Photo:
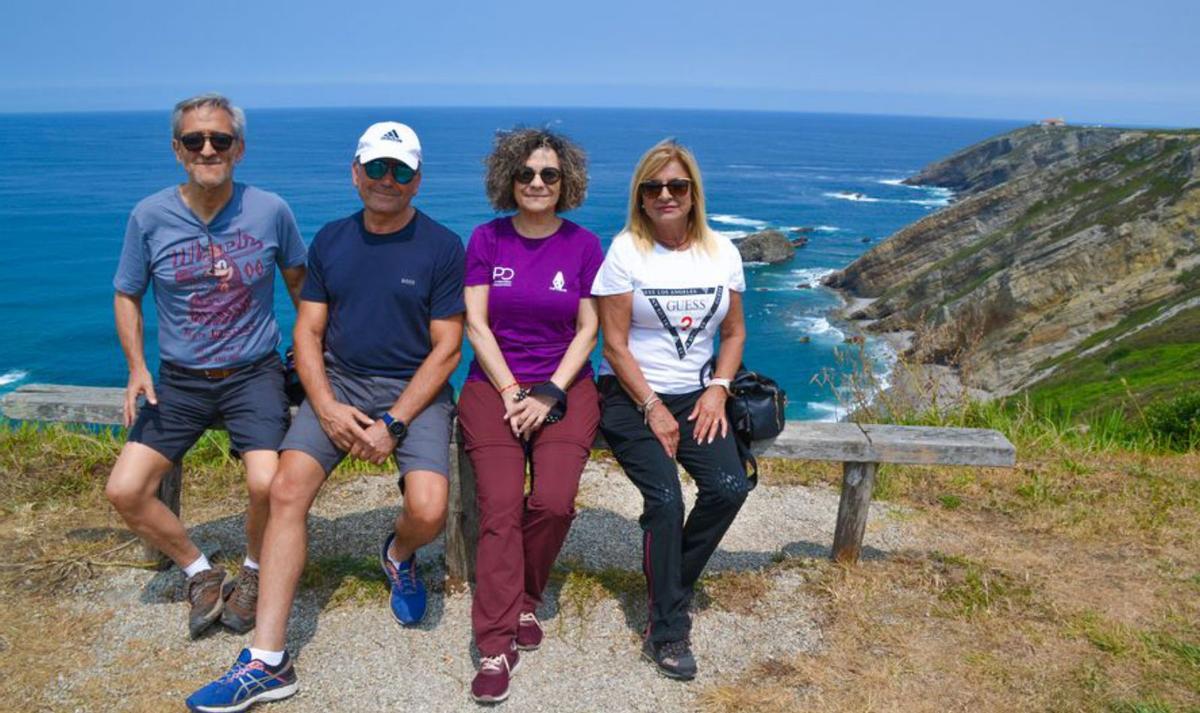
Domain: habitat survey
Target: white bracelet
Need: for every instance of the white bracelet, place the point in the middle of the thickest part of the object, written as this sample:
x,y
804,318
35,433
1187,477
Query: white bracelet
x,y
723,383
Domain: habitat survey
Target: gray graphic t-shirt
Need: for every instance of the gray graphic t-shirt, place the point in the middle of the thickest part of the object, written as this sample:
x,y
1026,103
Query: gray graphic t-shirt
x,y
214,284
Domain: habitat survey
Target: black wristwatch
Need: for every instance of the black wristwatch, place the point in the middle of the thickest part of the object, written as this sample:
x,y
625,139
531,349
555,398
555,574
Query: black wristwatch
x,y
395,426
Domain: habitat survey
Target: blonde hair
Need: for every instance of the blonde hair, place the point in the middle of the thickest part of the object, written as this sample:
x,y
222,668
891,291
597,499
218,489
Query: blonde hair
x,y
638,225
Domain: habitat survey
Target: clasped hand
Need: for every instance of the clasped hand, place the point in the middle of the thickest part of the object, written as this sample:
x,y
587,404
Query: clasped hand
x,y
526,416
356,433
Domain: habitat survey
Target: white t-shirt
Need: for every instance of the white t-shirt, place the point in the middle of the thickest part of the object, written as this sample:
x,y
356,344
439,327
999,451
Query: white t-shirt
x,y
680,298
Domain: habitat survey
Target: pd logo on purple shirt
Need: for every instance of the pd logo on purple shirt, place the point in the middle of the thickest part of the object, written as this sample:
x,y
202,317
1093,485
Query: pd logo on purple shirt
x,y
502,276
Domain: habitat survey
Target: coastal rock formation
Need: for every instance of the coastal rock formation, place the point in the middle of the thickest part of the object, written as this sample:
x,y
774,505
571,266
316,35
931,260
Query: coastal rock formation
x,y
1064,240
769,246
1018,153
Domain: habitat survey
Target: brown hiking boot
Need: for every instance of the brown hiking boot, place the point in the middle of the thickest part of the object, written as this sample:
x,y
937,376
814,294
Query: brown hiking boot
x,y
241,601
203,592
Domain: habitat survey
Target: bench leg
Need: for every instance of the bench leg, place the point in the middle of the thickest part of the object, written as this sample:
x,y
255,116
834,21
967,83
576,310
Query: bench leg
x,y
462,520
858,480
168,492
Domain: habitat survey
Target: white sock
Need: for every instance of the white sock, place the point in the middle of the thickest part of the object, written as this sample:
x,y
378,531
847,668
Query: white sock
x,y
197,566
249,563
270,658
395,562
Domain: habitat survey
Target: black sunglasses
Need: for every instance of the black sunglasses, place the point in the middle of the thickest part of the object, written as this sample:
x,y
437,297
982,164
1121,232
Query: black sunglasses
x,y
401,172
194,141
549,175
677,187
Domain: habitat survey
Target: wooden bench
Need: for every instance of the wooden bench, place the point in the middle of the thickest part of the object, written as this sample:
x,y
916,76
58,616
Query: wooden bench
x,y
859,447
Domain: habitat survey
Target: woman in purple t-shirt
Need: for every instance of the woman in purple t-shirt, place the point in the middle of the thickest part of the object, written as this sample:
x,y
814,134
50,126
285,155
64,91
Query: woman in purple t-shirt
x,y
529,396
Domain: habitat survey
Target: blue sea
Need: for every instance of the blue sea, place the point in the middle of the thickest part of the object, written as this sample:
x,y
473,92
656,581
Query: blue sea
x,y
68,181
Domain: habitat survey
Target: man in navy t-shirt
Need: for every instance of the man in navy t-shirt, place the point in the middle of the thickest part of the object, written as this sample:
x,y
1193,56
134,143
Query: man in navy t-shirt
x,y
379,331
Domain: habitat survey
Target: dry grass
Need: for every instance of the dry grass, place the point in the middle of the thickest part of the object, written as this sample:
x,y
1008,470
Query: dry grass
x,y
1072,584
32,661
1069,584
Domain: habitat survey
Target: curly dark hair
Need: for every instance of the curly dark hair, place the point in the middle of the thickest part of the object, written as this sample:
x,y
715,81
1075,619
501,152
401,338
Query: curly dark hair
x,y
512,149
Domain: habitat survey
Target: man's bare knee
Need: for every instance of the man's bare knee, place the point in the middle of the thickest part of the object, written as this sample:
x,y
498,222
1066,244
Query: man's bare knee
x,y
425,497
295,484
135,477
261,467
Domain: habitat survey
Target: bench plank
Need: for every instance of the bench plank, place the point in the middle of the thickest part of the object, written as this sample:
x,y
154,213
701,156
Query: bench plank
x,y
800,440
73,404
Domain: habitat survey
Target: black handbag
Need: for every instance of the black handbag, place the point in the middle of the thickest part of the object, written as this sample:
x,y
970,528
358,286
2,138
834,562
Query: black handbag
x,y
756,405
756,409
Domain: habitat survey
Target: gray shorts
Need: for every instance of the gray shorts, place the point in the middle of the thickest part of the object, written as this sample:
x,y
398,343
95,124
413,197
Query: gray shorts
x,y
427,446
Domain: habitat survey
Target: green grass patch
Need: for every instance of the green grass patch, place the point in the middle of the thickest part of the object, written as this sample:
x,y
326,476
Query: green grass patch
x,y
1158,361
581,589
950,501
354,580
972,588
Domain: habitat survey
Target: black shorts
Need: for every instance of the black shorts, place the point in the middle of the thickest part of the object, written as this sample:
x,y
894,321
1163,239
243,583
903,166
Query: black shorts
x,y
250,403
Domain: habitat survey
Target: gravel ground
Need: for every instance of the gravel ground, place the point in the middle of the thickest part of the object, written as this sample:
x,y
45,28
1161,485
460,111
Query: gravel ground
x,y
354,657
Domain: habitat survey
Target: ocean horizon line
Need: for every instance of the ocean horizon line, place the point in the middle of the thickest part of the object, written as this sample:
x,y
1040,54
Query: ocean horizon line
x,y
251,106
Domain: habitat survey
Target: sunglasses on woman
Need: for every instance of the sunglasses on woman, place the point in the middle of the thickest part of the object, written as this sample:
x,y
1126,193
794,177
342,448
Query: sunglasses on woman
x,y
402,173
549,175
677,187
194,141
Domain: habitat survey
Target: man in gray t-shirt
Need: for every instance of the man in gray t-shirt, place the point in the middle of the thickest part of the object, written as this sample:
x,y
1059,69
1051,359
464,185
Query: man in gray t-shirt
x,y
210,248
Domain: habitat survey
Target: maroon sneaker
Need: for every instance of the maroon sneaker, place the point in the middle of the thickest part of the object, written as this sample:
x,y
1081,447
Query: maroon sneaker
x,y
529,632
241,601
491,683
203,592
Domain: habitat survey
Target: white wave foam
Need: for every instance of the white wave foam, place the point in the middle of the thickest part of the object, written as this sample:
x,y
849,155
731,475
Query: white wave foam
x,y
895,182
819,327
931,202
829,229
813,274
732,234
851,196
737,220
12,377
825,411
754,263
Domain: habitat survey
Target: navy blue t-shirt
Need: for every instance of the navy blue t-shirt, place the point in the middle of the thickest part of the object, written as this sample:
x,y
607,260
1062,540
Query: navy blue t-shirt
x,y
382,291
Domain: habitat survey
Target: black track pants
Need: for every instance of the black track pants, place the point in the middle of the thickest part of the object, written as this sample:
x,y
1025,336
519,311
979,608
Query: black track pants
x,y
674,551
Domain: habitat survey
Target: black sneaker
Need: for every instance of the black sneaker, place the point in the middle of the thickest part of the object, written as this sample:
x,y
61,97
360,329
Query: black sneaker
x,y
673,658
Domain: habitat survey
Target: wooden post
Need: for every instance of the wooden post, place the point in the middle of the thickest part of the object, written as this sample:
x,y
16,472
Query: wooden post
x,y
168,492
858,480
462,519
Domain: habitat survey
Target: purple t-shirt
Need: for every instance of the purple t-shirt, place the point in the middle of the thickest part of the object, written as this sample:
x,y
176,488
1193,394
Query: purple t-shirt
x,y
535,288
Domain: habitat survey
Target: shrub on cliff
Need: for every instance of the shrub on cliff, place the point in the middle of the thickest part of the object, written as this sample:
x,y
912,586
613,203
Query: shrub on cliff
x,y
1177,421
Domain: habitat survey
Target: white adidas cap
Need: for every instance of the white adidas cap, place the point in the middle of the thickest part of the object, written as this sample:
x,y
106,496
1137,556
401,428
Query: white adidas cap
x,y
389,139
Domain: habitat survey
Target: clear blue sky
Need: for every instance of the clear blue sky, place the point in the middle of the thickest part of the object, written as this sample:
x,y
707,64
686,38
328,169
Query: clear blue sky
x,y
1096,61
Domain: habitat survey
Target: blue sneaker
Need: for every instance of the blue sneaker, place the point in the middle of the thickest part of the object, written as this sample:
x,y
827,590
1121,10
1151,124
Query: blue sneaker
x,y
244,684
408,591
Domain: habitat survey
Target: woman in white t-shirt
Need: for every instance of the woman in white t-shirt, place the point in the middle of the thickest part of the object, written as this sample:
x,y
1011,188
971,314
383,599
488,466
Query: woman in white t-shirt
x,y
668,287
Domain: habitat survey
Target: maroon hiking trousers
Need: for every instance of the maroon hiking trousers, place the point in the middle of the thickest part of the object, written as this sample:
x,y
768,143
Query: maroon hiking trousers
x,y
519,535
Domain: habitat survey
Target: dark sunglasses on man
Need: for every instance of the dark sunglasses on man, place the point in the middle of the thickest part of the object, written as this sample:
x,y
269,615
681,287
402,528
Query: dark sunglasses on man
x,y
677,187
402,173
549,174
194,141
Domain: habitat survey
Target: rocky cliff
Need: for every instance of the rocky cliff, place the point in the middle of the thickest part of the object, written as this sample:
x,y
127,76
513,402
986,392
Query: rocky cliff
x,y
1064,240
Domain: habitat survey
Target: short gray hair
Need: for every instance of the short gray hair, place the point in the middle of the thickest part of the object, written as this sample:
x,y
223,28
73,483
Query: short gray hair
x,y
213,99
